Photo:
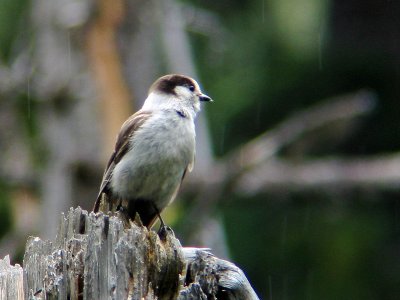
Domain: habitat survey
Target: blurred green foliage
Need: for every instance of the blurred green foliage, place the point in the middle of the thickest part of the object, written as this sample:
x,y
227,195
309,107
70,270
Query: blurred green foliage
x,y
282,56
261,77
27,109
311,246
5,209
11,12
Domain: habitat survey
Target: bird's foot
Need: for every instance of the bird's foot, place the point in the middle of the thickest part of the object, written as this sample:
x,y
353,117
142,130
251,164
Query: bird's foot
x,y
164,231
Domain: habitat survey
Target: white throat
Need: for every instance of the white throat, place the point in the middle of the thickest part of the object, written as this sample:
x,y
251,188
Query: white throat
x,y
158,101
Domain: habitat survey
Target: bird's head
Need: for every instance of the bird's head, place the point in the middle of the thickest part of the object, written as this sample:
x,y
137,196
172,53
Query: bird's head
x,y
176,91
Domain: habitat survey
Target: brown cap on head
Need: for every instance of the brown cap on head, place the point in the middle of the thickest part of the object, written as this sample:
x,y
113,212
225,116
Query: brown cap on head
x,y
167,84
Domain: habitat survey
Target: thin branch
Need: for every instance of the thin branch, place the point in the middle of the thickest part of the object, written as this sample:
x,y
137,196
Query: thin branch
x,y
382,171
269,143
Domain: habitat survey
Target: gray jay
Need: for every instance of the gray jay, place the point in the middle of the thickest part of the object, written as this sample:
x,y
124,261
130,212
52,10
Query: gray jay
x,y
155,148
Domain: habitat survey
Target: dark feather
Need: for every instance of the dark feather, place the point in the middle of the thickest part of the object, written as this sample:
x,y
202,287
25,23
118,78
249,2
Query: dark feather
x,y
168,83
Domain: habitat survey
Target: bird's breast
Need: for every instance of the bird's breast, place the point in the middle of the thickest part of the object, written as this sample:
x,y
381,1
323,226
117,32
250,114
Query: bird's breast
x,y
158,156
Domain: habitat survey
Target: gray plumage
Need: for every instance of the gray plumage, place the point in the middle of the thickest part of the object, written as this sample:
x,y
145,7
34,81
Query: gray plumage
x,y
154,150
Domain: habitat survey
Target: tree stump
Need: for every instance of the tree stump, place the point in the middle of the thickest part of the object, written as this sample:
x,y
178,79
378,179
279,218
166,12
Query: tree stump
x,y
97,256
11,280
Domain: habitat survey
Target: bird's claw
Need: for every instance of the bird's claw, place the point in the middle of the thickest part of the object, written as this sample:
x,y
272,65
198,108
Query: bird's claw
x,y
164,231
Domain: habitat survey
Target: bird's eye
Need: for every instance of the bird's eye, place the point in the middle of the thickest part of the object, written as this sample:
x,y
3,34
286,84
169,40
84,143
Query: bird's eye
x,y
191,88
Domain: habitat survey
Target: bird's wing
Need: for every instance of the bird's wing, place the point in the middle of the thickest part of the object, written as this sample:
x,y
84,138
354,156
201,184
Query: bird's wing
x,y
128,129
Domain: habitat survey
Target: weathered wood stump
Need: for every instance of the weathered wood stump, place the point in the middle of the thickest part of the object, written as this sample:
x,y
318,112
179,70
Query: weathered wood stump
x,y
208,277
96,256
11,280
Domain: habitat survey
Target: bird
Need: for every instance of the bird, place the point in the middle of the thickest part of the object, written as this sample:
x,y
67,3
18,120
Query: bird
x,y
155,149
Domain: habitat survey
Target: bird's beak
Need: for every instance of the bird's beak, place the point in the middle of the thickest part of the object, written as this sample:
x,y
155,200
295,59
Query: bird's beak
x,y
205,98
